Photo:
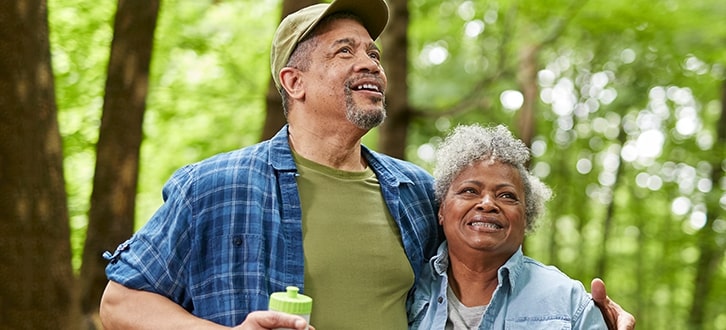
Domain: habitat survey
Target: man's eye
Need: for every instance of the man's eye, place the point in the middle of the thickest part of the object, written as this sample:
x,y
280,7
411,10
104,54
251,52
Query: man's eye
x,y
468,191
375,55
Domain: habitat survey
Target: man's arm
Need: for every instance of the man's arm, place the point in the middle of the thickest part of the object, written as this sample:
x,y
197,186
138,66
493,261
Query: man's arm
x,y
124,308
615,316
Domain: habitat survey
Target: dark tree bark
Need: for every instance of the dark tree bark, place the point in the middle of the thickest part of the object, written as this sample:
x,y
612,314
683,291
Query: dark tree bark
x,y
527,79
393,133
711,254
274,116
608,223
111,215
36,278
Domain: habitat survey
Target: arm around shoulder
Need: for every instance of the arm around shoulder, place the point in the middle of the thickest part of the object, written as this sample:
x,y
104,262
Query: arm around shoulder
x,y
615,316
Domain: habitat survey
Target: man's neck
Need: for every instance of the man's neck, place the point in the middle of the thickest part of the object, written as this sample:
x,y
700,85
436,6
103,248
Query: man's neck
x,y
329,146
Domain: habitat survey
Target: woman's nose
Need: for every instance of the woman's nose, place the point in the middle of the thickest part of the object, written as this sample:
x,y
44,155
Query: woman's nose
x,y
487,203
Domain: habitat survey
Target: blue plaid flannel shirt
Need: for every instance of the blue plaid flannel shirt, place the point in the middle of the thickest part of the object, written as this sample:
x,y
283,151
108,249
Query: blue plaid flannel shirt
x,y
229,232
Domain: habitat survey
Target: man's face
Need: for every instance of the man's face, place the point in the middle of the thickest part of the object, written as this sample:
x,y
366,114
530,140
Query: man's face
x,y
345,73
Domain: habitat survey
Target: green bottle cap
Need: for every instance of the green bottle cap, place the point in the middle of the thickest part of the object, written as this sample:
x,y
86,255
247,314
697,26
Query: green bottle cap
x,y
291,302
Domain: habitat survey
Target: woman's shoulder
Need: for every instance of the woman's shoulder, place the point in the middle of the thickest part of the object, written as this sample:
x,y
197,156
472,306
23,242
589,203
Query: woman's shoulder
x,y
548,279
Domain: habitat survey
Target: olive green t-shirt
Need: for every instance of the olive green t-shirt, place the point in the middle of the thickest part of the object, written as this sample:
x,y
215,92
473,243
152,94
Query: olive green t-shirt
x,y
356,269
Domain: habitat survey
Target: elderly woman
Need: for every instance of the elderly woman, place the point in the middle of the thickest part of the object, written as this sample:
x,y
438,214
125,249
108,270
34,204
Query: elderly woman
x,y
480,279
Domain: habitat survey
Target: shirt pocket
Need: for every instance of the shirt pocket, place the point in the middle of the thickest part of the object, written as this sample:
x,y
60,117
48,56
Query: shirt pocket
x,y
231,277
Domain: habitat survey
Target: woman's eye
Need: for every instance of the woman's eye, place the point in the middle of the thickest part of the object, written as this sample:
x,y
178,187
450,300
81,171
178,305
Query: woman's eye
x,y
509,196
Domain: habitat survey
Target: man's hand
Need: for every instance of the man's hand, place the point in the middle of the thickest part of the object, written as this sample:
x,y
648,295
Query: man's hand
x,y
265,320
124,308
615,316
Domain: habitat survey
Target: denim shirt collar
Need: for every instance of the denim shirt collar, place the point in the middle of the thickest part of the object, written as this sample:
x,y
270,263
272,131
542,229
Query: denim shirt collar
x,y
507,273
280,158
279,153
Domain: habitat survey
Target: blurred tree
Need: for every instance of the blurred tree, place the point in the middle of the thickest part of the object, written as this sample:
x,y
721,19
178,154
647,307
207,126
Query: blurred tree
x,y
711,253
36,279
112,207
393,134
621,98
618,99
274,116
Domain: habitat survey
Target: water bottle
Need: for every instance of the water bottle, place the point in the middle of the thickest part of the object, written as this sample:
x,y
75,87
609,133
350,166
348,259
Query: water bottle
x,y
291,302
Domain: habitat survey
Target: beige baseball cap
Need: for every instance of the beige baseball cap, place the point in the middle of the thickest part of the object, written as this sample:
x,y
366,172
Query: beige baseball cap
x,y
292,29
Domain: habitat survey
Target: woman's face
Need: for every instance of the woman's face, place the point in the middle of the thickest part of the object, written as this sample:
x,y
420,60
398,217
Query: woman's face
x,y
484,209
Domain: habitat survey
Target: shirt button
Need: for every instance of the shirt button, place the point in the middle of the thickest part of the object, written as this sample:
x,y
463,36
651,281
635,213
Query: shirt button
x,y
237,241
441,299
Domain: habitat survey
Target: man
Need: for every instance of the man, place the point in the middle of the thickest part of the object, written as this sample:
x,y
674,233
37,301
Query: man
x,y
311,207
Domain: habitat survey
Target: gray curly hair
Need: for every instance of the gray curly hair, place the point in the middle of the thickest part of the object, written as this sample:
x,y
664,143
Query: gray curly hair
x,y
468,144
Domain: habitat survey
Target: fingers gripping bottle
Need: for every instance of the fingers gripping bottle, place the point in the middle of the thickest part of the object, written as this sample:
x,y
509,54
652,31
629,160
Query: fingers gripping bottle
x,y
291,302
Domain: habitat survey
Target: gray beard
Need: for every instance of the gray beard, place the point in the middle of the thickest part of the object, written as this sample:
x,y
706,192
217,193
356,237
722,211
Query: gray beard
x,y
365,119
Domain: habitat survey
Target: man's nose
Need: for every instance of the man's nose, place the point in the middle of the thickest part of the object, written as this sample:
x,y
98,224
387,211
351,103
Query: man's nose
x,y
365,62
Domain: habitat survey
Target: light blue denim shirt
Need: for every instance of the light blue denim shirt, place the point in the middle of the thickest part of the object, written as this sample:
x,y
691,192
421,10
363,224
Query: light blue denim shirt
x,y
530,295
229,232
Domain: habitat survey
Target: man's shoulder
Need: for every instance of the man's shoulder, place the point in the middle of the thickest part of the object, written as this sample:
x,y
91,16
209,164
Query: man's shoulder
x,y
250,158
258,152
401,166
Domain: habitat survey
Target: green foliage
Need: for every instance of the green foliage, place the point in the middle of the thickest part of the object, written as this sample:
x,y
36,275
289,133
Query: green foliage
x,y
617,80
80,36
615,74
208,84
206,96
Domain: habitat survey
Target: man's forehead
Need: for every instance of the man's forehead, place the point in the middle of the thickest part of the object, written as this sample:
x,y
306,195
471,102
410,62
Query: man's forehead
x,y
341,23
346,31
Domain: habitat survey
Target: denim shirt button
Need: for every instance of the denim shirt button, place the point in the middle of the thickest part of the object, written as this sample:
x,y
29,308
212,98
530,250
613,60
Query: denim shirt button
x,y
237,241
441,299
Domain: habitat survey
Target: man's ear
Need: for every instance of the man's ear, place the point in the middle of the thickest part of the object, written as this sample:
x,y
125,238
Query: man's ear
x,y
291,81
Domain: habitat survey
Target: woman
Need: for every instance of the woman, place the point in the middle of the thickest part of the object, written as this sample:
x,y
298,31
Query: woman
x,y
480,279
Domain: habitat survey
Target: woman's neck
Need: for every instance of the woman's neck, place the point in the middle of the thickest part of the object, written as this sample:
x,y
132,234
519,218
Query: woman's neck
x,y
472,282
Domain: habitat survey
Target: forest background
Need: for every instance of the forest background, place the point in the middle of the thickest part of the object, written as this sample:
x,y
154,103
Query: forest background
x,y
622,101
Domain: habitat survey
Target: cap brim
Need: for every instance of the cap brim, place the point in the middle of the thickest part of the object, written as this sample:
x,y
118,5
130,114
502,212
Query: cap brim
x,y
373,13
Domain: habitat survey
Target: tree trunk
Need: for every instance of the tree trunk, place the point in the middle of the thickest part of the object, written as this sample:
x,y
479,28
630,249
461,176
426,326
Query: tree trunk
x,y
35,255
111,214
394,131
527,80
607,227
710,252
274,117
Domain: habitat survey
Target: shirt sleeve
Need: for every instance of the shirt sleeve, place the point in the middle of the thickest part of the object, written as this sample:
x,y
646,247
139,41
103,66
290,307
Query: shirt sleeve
x,y
153,259
589,316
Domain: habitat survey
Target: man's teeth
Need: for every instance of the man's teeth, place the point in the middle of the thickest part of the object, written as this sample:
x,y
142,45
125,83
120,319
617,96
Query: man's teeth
x,y
367,86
